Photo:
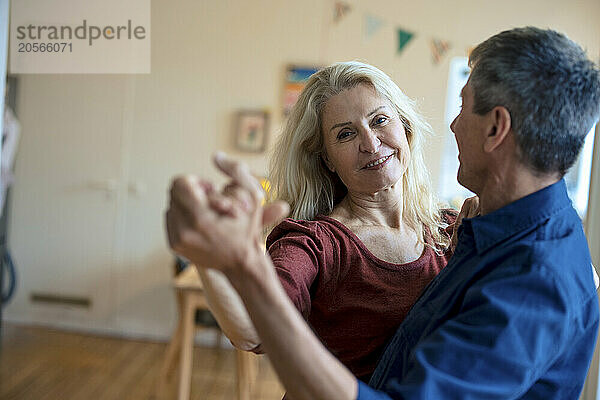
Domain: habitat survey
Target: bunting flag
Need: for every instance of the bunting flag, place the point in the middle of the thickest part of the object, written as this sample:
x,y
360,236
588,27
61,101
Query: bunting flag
x,y
438,49
372,25
403,38
340,11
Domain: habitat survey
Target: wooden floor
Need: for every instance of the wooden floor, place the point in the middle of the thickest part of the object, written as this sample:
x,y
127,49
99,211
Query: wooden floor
x,y
43,364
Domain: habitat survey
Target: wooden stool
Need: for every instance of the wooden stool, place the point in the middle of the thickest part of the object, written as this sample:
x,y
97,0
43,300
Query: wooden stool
x,y
190,297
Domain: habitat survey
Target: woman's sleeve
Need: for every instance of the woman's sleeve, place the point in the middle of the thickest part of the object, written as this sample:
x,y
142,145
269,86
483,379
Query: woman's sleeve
x,y
299,257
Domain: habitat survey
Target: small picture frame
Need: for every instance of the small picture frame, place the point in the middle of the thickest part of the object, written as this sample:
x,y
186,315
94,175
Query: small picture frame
x,y
251,130
296,78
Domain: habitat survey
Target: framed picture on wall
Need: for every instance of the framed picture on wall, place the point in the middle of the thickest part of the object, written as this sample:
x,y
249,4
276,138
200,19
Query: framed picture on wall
x,y
295,80
251,130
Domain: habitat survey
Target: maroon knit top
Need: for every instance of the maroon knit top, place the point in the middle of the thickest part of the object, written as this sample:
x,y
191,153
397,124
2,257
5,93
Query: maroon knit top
x,y
353,300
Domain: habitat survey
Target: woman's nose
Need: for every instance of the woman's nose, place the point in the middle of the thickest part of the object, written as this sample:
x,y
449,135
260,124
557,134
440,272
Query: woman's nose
x,y
369,141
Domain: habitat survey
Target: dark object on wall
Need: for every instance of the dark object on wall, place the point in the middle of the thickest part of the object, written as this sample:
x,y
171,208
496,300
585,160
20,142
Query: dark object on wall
x,y
48,298
8,277
8,268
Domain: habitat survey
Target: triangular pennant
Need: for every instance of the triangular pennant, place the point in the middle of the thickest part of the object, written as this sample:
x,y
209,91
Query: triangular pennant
x,y
372,25
438,49
403,38
340,11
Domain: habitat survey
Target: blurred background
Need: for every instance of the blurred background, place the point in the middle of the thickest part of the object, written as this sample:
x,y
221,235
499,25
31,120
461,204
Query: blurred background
x,y
95,155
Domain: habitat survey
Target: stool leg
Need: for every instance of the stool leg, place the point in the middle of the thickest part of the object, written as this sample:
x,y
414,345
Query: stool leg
x,y
171,355
173,349
246,373
187,349
172,352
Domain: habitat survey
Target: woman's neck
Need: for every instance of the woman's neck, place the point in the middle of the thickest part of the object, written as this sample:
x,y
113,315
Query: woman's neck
x,y
383,208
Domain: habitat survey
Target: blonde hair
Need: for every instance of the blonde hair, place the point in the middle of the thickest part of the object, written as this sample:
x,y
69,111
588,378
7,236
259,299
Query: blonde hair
x,y
298,174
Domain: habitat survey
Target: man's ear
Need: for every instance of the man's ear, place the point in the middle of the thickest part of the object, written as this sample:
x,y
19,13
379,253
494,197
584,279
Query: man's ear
x,y
327,162
500,126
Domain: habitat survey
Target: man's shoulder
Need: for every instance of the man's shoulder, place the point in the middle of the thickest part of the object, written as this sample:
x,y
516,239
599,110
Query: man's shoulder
x,y
556,238
555,254
559,244
556,244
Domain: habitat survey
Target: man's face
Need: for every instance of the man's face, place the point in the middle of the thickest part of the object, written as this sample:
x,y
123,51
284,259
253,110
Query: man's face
x,y
469,131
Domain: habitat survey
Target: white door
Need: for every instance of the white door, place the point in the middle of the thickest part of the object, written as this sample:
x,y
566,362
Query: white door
x,y
65,199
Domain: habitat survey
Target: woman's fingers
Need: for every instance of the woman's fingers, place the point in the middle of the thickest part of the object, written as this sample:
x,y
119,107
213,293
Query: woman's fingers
x,y
240,174
222,204
469,209
454,238
216,228
239,195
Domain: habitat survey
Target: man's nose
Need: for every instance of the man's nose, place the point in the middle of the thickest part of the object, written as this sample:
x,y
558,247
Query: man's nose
x,y
453,123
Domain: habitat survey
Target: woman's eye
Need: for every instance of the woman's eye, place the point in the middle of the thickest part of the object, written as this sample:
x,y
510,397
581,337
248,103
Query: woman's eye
x,y
380,120
344,135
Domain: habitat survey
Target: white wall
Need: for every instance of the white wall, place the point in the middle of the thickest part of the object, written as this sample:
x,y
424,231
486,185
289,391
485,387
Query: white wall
x,y
209,58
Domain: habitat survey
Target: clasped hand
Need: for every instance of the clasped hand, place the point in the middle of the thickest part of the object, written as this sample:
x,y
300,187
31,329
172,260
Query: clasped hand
x,y
220,229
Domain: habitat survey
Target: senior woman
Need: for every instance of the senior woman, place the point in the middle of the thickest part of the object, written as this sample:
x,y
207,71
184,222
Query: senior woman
x,y
365,235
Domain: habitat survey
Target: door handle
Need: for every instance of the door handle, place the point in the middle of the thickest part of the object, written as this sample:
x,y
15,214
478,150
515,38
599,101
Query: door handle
x,y
105,185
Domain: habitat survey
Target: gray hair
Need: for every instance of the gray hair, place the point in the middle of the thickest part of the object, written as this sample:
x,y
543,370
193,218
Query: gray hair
x,y
548,85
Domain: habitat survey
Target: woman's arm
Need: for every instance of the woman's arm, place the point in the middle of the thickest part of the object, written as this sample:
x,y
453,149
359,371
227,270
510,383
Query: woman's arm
x,y
290,340
306,368
229,310
225,303
231,242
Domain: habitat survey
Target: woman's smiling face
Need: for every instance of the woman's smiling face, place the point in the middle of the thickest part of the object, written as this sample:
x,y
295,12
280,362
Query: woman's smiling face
x,y
364,139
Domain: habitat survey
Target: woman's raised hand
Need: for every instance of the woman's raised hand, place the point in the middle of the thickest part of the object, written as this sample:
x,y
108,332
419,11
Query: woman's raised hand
x,y
221,230
469,209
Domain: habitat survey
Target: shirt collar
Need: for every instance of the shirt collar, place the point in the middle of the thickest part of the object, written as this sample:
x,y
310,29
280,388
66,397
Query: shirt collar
x,y
490,229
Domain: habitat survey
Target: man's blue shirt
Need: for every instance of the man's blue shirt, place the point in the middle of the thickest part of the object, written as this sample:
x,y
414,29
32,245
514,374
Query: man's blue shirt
x,y
514,315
